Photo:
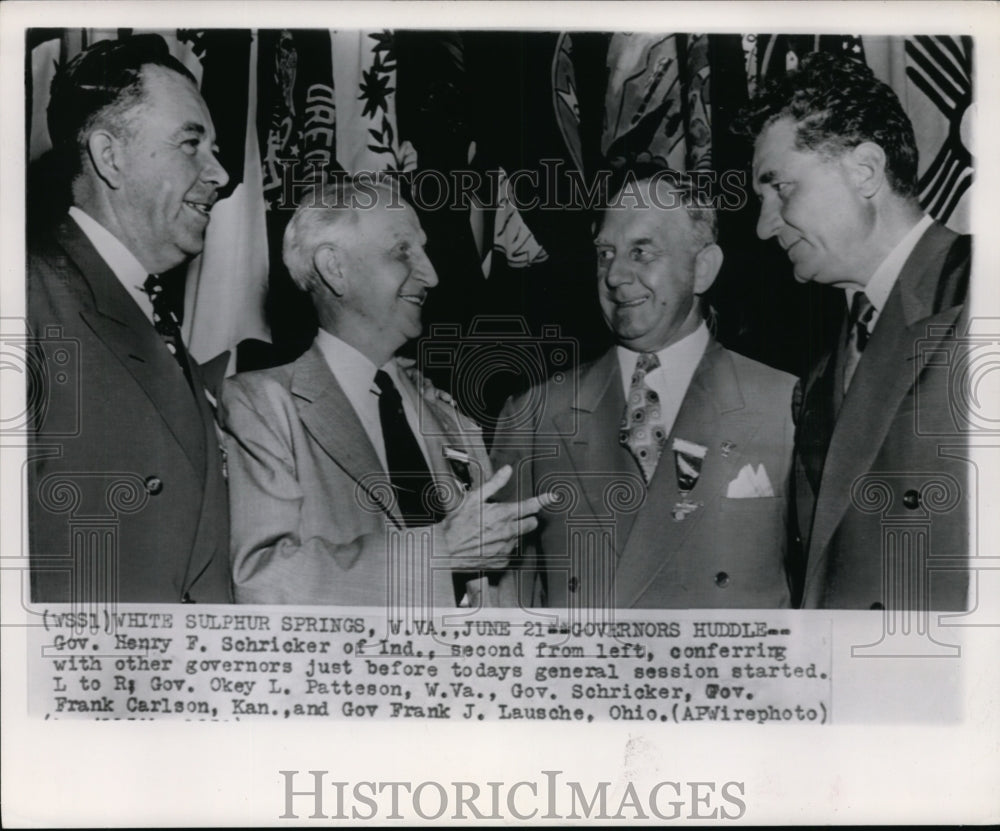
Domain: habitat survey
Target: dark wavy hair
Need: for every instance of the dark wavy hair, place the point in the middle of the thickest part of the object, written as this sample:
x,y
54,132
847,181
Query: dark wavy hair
x,y
100,85
837,103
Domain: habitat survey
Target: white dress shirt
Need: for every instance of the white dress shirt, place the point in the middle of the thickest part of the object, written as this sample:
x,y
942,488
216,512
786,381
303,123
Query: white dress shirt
x,y
120,260
881,282
670,380
356,376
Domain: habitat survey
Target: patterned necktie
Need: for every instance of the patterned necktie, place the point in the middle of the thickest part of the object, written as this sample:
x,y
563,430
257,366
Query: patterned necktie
x,y
642,429
408,472
858,319
166,325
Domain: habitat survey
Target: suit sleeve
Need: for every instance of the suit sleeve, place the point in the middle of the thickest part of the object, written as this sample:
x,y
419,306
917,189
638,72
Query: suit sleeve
x,y
275,559
522,583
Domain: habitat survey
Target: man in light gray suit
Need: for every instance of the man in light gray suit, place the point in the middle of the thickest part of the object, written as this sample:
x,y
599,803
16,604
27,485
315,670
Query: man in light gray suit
x,y
347,469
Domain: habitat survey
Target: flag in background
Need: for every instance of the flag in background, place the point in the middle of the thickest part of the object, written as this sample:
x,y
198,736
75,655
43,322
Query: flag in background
x,y
657,100
365,80
495,101
227,283
933,78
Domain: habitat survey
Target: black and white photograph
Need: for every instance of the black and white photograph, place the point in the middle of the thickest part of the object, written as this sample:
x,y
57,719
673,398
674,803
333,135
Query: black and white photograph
x,y
385,382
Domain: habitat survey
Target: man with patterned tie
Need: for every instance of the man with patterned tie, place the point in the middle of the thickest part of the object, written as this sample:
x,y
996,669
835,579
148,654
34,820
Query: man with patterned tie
x,y
879,493
353,481
669,452
126,490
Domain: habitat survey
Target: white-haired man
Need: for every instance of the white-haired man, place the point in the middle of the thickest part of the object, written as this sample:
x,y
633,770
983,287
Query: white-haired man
x,y
346,466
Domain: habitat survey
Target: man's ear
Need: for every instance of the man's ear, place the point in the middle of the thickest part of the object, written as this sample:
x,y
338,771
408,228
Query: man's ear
x,y
105,151
327,261
707,263
866,167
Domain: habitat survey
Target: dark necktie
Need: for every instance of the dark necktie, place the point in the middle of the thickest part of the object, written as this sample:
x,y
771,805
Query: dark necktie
x,y
166,325
858,319
411,479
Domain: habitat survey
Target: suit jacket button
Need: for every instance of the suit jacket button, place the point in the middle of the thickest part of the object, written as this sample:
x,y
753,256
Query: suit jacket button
x,y
154,484
876,606
911,499
187,598
574,583
722,579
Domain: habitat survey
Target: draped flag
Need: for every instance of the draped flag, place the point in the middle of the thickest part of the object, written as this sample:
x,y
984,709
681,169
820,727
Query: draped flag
x,y
564,99
657,100
297,117
227,283
933,78
296,110
365,80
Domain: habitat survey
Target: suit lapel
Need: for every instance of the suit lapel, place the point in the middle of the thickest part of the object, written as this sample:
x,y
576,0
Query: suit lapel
x,y
439,427
328,415
118,322
886,373
705,418
589,430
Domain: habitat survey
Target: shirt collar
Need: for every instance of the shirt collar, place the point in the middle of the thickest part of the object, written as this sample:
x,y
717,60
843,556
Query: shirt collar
x,y
686,352
120,260
353,370
885,276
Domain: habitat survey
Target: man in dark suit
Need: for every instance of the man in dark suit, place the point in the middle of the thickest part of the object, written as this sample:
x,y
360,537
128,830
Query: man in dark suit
x,y
348,469
881,501
127,498
671,453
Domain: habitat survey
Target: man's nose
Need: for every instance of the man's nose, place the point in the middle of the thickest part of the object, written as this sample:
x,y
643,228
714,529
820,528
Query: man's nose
x,y
769,220
617,272
425,270
214,173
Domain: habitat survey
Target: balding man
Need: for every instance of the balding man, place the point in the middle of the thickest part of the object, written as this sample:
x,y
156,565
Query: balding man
x,y
348,470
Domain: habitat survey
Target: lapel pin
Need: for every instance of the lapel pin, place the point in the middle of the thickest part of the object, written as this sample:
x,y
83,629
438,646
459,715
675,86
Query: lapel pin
x,y
727,447
688,458
459,461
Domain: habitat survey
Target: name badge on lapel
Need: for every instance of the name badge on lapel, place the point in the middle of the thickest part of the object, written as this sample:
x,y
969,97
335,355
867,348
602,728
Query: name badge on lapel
x,y
459,462
688,458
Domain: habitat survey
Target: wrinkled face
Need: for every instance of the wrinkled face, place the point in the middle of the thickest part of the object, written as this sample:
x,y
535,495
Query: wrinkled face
x,y
808,203
646,273
388,279
170,174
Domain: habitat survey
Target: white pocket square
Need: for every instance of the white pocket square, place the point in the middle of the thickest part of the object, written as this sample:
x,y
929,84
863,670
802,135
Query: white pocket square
x,y
750,484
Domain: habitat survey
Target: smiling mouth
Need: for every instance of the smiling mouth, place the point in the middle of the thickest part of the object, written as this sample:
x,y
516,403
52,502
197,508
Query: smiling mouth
x,y
630,304
415,299
202,208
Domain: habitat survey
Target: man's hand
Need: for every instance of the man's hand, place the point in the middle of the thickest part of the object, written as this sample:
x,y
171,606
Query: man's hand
x,y
481,534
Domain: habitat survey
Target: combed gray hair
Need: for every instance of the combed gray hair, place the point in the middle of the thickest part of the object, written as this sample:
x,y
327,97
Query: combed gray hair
x,y
698,204
322,217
